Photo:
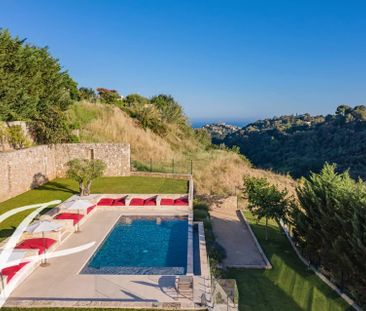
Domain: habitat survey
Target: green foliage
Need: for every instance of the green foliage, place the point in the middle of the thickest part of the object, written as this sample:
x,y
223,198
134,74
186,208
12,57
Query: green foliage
x,y
203,137
145,112
108,96
170,110
265,200
300,144
32,83
215,251
51,127
84,172
330,226
87,94
16,137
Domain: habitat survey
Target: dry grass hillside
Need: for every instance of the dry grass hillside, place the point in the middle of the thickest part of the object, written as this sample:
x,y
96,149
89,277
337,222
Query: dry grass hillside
x,y
215,171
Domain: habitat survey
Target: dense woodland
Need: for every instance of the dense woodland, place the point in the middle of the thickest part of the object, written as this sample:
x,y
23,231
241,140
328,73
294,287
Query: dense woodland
x,y
300,144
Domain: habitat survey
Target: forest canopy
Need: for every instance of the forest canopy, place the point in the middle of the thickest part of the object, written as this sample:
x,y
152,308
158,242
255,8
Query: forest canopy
x,y
303,143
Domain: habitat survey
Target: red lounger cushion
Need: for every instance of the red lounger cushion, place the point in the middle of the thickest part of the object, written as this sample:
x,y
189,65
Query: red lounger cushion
x,y
89,209
150,202
105,202
75,217
167,202
37,243
181,201
119,202
137,202
9,272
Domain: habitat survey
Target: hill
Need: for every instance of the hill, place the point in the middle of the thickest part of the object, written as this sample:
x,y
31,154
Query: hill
x,y
215,170
300,144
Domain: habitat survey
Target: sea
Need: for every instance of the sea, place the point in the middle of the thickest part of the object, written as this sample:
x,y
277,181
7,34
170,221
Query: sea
x,y
198,123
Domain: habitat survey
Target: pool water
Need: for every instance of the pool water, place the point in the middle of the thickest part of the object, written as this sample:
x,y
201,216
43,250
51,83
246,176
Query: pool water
x,y
142,245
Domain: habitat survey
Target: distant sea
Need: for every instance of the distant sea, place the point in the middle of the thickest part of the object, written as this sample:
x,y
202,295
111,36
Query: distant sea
x,y
197,123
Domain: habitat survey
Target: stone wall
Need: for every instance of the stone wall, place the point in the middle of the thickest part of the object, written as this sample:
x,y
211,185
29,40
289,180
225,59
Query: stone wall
x,y
21,170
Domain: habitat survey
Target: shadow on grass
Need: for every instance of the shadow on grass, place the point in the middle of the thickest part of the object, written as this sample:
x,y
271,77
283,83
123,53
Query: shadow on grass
x,y
56,186
5,233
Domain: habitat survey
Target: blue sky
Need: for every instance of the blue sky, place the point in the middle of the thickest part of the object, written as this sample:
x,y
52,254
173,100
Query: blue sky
x,y
221,60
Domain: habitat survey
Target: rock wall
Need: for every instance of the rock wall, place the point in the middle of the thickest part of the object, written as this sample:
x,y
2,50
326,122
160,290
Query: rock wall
x,y
21,170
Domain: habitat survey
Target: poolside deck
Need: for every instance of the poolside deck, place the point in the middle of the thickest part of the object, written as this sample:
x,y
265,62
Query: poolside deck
x,y
61,285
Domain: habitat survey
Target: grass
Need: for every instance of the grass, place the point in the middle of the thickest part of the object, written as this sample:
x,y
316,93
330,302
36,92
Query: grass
x,y
289,286
61,189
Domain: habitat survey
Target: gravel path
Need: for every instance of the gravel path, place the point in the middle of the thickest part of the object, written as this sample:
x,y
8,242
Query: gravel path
x,y
234,235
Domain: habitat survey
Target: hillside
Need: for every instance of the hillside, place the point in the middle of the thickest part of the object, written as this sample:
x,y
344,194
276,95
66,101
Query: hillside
x,y
215,170
300,144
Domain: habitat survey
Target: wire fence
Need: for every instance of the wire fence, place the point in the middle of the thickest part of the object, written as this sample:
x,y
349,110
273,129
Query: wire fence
x,y
170,166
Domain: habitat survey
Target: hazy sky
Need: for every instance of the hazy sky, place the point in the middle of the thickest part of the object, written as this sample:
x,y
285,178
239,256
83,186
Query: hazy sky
x,y
220,59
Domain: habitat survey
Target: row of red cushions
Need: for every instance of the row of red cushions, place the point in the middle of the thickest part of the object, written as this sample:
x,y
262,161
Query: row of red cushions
x,y
142,202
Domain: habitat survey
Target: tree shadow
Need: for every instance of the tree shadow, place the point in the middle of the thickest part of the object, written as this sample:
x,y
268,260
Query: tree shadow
x,y
56,186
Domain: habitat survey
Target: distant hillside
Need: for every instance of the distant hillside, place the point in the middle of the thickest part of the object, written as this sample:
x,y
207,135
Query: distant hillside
x,y
219,131
300,144
215,170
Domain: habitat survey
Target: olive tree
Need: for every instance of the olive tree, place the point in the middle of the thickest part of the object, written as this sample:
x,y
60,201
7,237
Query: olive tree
x,y
84,172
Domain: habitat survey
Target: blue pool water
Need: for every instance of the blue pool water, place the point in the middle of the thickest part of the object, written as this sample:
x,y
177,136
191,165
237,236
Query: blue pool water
x,y
142,245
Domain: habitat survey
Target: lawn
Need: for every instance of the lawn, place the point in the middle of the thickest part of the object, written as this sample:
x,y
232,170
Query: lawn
x,y
61,189
289,286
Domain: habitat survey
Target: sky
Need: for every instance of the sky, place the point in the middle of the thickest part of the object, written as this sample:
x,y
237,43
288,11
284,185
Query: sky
x,y
221,60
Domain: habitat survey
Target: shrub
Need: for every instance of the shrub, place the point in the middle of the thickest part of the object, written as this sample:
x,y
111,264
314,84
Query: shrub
x,y
17,138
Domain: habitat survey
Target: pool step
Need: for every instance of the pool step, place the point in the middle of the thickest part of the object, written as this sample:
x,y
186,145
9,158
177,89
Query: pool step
x,y
184,285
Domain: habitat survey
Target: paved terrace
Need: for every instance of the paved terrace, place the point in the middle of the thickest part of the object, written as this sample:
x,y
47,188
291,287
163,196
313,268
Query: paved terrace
x,y
61,284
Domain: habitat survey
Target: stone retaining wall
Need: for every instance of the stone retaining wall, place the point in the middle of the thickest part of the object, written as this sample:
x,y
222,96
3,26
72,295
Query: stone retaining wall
x,y
21,170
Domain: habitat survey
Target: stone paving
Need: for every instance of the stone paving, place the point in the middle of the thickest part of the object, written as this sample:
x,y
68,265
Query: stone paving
x,y
61,284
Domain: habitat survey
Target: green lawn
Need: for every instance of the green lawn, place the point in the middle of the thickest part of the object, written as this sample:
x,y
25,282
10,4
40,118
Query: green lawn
x,y
289,286
61,189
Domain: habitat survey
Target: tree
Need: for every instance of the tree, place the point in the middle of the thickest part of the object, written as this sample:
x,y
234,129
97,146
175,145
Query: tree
x,y
87,94
84,172
330,226
108,96
265,200
32,82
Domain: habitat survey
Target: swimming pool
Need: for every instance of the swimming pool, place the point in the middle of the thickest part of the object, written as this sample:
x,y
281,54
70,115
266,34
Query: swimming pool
x,y
142,245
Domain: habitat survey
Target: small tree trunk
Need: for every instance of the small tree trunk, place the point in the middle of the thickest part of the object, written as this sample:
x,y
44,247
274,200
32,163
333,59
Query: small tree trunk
x,y
266,228
87,188
81,189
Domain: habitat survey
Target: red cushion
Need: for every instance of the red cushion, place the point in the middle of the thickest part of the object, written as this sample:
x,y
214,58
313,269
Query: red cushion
x,y
9,272
90,209
150,201
75,217
37,243
181,201
137,202
119,202
167,202
105,202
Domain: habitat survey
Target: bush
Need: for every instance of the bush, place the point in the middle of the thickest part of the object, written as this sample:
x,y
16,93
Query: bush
x,y
17,138
200,215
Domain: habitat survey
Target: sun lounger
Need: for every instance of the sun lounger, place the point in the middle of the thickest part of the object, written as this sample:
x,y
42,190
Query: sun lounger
x,y
74,217
9,272
41,244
